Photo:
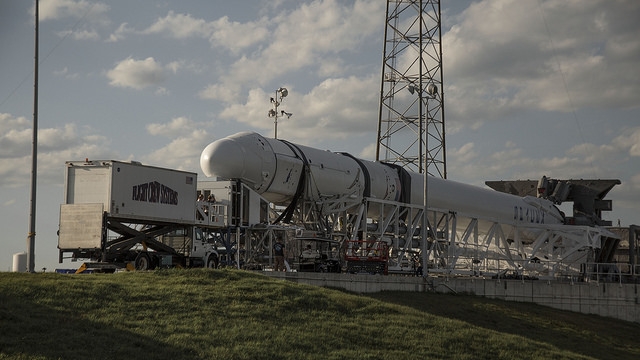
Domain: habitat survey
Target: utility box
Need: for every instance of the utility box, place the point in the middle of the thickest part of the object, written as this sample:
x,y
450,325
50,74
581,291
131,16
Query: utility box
x,y
132,191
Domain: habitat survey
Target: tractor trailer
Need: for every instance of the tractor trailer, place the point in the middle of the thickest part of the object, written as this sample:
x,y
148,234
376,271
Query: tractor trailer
x,y
119,214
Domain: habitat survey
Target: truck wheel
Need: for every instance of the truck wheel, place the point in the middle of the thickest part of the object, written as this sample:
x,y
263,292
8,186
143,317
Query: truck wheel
x,y
143,262
212,262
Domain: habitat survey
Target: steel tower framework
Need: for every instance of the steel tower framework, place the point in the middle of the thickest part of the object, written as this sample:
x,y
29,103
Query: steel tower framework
x,y
411,114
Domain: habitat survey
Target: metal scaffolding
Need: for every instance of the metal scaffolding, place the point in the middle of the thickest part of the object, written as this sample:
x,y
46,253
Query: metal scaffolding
x,y
411,115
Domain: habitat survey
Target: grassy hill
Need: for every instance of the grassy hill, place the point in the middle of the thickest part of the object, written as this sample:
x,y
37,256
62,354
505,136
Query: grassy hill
x,y
229,314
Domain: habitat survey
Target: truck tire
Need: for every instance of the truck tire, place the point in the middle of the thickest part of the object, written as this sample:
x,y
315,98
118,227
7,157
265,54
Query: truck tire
x,y
143,262
212,261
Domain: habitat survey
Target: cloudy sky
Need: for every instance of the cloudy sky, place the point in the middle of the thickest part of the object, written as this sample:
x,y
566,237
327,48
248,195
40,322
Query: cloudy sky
x,y
532,88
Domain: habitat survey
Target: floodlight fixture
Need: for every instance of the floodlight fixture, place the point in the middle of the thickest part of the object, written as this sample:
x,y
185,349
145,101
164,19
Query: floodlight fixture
x,y
281,93
432,89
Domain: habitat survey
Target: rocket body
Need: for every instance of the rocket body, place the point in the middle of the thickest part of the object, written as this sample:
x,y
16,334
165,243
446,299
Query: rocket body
x,y
275,168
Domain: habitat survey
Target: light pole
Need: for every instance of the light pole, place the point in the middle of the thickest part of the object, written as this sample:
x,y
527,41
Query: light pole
x,y
431,93
273,113
31,239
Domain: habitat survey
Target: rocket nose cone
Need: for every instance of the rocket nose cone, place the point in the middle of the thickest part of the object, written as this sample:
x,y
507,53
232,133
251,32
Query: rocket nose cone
x,y
223,158
247,156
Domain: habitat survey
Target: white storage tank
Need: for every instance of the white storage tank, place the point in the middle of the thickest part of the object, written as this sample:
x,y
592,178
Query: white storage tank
x,y
19,262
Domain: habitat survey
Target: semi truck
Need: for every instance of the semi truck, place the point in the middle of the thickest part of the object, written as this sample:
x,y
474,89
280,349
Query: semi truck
x,y
119,214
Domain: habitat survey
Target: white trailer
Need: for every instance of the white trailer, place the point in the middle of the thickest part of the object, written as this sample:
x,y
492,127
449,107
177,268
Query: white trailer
x,y
125,214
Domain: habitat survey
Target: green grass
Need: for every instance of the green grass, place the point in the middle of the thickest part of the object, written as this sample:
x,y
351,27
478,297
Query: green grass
x,y
230,314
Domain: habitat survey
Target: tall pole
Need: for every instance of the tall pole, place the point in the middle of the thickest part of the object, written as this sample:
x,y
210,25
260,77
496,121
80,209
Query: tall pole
x,y
275,121
31,240
275,101
424,154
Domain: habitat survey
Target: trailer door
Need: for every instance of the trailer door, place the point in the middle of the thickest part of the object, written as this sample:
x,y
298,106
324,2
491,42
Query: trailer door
x,y
80,226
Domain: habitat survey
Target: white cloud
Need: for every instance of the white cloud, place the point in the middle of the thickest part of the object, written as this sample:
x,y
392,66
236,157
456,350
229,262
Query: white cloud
x,y
237,36
187,140
464,154
341,103
91,15
162,91
174,66
183,152
505,56
56,139
287,42
80,34
230,35
15,136
120,33
9,122
227,92
634,182
15,142
137,74
253,112
344,103
64,72
55,146
512,161
310,37
629,141
178,126
180,26
56,9
368,152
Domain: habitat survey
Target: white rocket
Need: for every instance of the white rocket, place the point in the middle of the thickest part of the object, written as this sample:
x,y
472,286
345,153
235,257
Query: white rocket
x,y
275,168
